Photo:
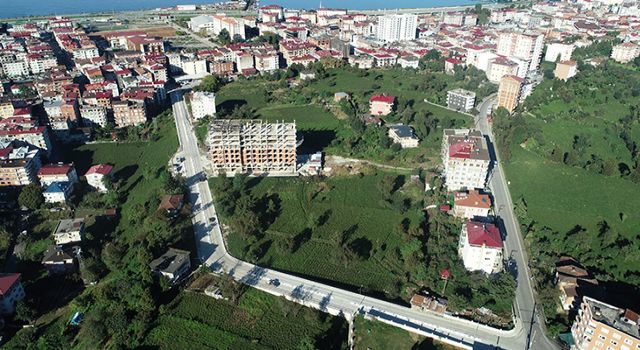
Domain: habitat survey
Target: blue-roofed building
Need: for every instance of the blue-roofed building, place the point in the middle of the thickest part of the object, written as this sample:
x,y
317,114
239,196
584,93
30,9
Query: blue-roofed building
x,y
57,192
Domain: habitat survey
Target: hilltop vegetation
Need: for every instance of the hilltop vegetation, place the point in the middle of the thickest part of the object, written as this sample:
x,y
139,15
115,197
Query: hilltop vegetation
x,y
571,155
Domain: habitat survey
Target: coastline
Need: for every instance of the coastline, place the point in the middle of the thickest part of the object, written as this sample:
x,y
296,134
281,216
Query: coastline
x,y
419,10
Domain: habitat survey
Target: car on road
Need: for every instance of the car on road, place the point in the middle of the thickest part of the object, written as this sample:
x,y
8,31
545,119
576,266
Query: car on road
x,y
274,282
212,220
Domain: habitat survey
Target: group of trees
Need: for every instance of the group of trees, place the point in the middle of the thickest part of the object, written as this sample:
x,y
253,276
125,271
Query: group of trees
x,y
584,99
247,215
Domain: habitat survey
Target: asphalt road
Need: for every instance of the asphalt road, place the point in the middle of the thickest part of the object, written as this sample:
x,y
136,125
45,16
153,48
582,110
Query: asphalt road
x,y
515,250
337,301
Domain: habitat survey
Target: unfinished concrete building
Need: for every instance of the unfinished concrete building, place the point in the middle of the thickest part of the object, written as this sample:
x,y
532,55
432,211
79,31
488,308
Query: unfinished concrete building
x,y
252,147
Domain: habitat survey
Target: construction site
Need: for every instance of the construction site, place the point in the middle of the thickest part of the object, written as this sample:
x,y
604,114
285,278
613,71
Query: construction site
x,y
252,147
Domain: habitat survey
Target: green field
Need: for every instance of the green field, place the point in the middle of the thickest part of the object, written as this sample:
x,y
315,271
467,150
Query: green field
x,y
376,335
323,131
259,321
137,164
562,196
341,204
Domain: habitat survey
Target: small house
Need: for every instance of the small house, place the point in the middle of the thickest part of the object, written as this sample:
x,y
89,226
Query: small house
x,y
69,231
57,261
173,265
403,135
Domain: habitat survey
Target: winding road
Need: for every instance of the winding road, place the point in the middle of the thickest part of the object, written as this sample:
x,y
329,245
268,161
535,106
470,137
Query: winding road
x,y
466,334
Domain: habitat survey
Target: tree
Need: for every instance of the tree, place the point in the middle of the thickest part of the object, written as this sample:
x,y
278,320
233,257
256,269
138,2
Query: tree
x,y
24,312
210,83
223,37
31,197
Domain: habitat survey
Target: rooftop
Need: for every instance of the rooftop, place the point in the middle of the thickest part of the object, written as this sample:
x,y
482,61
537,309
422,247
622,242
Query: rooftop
x,y
70,225
171,261
623,320
7,280
472,198
480,233
467,144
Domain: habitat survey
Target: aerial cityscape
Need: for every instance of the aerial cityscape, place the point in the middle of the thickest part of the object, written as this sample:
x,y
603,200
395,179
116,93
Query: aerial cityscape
x,y
333,175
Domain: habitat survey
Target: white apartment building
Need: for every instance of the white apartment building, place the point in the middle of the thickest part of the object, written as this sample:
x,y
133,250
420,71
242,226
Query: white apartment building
x,y
466,159
625,52
500,67
266,62
15,68
555,50
393,28
600,326
42,64
94,115
203,104
96,174
214,24
527,47
194,67
85,53
461,100
480,247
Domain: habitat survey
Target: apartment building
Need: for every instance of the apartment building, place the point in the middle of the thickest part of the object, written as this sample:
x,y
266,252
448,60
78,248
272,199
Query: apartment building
x,y
59,172
393,28
499,67
466,159
559,51
11,292
203,104
480,247
266,61
600,326
93,115
524,46
252,147
625,52
19,166
509,92
69,231
6,108
36,136
565,70
129,113
96,175
461,100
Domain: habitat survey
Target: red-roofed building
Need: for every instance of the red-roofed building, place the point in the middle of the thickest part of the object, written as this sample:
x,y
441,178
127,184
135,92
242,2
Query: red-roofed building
x,y
11,292
381,104
57,173
471,204
96,174
481,247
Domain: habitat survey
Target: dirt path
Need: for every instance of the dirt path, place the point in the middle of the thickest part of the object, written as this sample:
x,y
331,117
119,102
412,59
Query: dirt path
x,y
342,161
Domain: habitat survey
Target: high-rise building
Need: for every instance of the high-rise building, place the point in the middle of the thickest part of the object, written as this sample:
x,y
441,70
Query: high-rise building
x,y
252,147
466,159
397,27
509,92
524,46
603,326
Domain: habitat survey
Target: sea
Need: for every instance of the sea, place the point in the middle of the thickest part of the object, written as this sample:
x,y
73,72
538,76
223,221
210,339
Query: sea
x,y
20,8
